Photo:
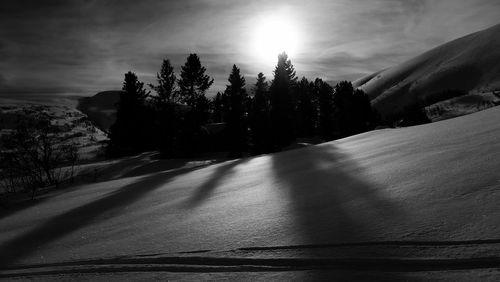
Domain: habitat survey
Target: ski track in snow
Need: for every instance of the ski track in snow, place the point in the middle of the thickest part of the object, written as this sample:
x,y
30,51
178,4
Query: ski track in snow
x,y
403,256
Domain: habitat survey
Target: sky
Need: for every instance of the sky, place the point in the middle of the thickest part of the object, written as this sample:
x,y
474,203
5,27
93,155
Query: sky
x,y
81,47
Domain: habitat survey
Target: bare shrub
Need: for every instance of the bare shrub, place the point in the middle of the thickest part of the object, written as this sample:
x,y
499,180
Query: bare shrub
x,y
34,155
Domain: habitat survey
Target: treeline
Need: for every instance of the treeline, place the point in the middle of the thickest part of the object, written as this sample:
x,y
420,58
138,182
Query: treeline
x,y
179,120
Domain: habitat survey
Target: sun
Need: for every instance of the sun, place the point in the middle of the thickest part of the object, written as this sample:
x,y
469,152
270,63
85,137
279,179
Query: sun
x,y
274,34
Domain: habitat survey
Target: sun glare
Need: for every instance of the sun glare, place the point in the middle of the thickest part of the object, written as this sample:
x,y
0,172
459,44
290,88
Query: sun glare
x,y
274,34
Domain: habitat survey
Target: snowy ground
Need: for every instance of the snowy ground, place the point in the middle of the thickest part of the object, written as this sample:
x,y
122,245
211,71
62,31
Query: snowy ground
x,y
429,195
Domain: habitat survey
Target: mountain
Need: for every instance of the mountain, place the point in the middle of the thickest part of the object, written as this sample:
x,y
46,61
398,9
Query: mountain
x,y
101,108
470,64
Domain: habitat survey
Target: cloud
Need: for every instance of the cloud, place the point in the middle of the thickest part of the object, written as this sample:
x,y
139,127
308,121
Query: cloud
x,y
378,34
85,46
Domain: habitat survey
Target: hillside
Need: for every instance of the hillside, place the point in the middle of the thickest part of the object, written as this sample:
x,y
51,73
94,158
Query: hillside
x,y
73,123
417,202
101,108
470,64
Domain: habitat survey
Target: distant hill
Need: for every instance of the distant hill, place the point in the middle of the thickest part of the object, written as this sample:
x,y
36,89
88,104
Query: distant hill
x,y
469,65
101,108
73,124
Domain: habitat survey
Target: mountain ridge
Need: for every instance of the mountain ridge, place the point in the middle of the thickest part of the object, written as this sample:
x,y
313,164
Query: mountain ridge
x,y
469,63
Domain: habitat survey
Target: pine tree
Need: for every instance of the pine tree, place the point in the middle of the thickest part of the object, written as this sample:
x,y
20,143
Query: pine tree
x,y
237,112
326,125
193,82
134,89
353,111
203,106
282,102
344,108
261,93
218,108
306,116
131,132
166,108
364,116
260,116
166,88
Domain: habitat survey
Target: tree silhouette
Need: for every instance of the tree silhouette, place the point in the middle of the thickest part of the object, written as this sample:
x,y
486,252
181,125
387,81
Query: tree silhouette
x,y
343,101
260,116
326,125
131,132
352,110
166,88
364,117
282,102
237,113
193,82
218,108
166,106
135,90
192,87
307,108
177,120
202,112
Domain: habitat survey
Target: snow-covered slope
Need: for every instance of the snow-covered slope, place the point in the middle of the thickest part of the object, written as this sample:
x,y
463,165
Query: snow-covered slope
x,y
462,105
470,63
437,183
73,124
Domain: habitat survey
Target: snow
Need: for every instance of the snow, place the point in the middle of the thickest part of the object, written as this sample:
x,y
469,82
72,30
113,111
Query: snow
x,y
462,105
84,134
469,63
437,182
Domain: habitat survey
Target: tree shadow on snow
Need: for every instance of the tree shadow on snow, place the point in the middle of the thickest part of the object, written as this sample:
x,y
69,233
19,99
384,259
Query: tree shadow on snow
x,y
331,202
133,166
74,219
207,188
